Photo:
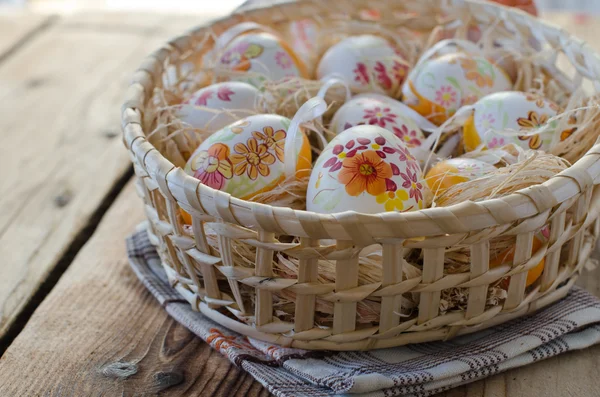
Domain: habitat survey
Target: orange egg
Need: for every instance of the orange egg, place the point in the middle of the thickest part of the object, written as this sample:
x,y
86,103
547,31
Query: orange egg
x,y
451,172
508,256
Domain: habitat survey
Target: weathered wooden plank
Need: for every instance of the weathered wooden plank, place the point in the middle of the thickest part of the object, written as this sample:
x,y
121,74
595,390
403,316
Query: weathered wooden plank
x,y
99,332
16,28
61,150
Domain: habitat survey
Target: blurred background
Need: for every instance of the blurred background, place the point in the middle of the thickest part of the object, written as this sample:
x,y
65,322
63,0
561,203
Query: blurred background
x,y
220,7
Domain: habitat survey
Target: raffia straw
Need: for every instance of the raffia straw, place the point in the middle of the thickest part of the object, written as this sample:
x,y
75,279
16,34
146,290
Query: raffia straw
x,y
586,122
498,157
290,193
286,96
370,271
406,41
534,167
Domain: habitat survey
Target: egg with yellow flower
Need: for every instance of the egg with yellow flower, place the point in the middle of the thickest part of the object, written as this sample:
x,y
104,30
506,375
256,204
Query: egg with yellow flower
x,y
367,63
439,86
388,114
447,173
260,52
511,117
247,158
366,169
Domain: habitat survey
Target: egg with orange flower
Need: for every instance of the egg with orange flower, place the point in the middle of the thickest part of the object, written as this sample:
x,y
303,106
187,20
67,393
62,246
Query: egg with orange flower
x,y
218,105
512,117
366,169
389,114
439,86
447,173
260,52
366,63
247,157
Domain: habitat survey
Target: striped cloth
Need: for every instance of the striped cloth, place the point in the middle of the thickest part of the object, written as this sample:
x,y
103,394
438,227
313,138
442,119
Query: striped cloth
x,y
414,370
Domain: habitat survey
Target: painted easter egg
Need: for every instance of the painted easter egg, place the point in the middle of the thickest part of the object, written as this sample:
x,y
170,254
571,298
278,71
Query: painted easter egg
x,y
366,169
441,85
303,36
385,114
508,117
247,157
216,106
367,63
261,53
447,173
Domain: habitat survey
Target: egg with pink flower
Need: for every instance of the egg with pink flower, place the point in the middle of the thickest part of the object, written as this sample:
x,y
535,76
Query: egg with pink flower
x,y
367,169
367,63
247,158
259,52
218,105
389,114
439,86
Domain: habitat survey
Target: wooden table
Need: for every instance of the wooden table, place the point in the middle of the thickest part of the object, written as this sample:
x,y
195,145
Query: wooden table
x,y
74,320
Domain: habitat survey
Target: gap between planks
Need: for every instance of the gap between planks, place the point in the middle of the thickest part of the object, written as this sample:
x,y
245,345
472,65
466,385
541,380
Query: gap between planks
x,y
16,34
63,262
61,156
100,331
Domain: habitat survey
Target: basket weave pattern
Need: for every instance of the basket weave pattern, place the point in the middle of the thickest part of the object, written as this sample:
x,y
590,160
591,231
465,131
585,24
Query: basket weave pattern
x,y
569,203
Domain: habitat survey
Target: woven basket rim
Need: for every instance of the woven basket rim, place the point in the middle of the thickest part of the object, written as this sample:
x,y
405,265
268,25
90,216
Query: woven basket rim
x,y
464,217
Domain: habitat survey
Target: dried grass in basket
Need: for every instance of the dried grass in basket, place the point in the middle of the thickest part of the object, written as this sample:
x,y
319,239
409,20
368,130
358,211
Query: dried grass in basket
x,y
356,281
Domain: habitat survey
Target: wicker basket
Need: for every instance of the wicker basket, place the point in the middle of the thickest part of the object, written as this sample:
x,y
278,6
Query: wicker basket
x,y
568,202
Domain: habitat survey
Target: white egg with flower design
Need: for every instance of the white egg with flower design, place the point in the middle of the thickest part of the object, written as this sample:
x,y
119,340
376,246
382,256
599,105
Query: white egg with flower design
x,y
439,86
365,62
388,114
260,52
366,169
218,105
303,36
247,157
512,117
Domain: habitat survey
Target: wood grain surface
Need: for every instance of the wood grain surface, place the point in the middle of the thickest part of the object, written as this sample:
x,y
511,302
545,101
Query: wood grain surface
x,y
61,151
16,28
99,332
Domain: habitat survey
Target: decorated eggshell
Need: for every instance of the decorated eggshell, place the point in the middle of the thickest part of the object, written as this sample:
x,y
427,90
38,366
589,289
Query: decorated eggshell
x,y
371,111
264,55
204,110
366,62
419,120
247,157
451,172
365,169
303,37
439,86
507,117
